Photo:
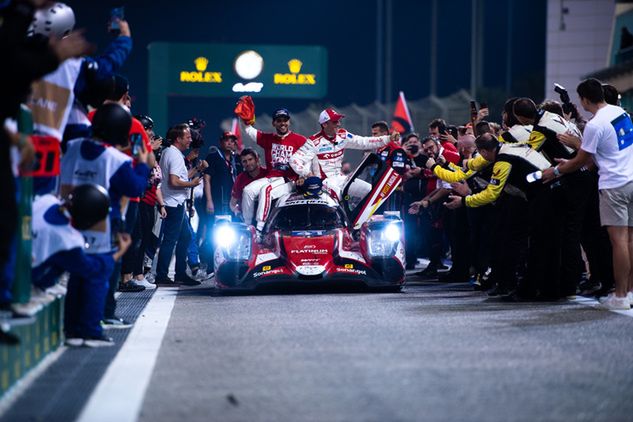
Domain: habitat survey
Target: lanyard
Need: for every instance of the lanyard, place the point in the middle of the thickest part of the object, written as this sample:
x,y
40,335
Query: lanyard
x,y
229,164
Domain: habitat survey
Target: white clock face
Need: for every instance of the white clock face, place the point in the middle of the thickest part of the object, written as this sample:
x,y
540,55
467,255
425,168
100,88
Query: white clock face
x,y
249,64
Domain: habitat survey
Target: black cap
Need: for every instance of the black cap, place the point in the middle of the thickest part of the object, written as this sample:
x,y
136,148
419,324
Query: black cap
x,y
120,85
88,204
111,124
282,112
146,121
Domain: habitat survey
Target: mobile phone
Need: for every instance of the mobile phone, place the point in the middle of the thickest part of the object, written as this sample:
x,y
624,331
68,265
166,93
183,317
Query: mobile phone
x,y
116,14
137,143
473,110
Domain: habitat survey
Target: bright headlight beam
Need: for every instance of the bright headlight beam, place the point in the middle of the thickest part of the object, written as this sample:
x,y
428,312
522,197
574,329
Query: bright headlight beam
x,y
225,236
392,233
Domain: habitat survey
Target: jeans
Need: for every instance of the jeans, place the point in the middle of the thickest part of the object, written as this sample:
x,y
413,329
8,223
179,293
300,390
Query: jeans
x,y
131,227
148,240
110,302
84,306
175,234
193,257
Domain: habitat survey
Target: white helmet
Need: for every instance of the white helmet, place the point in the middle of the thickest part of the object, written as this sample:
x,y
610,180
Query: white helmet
x,y
57,21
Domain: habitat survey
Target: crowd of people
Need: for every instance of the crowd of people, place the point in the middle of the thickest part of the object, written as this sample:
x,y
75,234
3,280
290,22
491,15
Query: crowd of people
x,y
526,208
534,209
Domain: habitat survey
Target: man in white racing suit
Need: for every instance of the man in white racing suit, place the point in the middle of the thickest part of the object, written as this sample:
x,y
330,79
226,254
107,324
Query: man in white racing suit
x,y
328,146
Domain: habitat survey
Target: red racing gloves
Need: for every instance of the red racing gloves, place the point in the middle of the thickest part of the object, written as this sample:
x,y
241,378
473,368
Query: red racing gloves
x,y
245,109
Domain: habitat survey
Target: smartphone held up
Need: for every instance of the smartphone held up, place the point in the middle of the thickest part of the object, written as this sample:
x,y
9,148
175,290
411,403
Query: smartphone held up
x,y
117,14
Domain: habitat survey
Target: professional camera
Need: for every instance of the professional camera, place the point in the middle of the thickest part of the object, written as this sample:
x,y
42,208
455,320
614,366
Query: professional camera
x,y
196,124
568,107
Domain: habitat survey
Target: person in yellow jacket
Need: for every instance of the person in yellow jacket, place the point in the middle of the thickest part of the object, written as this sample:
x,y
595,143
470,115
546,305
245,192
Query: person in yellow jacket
x,y
514,200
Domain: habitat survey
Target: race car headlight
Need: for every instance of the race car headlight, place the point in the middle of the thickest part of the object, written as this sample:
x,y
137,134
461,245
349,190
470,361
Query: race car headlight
x,y
392,233
383,240
234,241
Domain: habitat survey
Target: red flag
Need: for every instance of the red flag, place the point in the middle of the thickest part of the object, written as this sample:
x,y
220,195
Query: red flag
x,y
401,120
235,128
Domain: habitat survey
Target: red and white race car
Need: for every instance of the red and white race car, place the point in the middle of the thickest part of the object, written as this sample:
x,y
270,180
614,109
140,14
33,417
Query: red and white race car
x,y
310,241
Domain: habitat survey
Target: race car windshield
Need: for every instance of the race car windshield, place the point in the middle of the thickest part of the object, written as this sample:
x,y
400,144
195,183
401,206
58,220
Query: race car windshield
x,y
308,217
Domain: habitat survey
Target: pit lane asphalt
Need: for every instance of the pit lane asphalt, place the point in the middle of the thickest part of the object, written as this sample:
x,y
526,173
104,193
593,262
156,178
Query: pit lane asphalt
x,y
437,352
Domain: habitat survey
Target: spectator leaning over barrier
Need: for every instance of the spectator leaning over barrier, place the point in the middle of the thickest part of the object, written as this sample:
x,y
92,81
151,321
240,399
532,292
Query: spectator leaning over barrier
x,y
58,246
94,81
99,160
24,61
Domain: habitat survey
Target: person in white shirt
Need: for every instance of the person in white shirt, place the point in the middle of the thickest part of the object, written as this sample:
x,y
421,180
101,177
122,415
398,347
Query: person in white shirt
x,y
607,139
175,188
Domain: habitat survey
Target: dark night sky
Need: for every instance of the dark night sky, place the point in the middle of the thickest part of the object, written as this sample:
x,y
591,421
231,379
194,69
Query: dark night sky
x,y
348,30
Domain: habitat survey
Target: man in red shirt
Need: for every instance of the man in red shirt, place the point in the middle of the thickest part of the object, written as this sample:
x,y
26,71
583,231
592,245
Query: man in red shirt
x,y
438,130
278,148
252,171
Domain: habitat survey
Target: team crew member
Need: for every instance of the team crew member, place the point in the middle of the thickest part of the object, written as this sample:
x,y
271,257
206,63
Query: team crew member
x,y
328,147
516,133
607,139
58,246
509,189
278,148
561,231
252,171
100,161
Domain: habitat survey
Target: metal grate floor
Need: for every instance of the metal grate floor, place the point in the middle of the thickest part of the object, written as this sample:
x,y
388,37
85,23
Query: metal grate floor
x,y
60,393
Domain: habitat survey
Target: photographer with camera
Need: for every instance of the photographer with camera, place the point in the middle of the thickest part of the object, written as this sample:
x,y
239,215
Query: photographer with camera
x,y
436,190
196,199
151,202
413,188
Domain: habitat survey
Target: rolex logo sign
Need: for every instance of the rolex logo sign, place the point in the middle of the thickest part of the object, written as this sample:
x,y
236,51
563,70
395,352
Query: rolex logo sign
x,y
201,64
294,77
200,75
295,65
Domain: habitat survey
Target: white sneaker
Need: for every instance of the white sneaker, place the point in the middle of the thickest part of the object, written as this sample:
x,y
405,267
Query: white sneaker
x,y
74,342
614,303
629,297
40,296
26,309
202,275
145,282
57,290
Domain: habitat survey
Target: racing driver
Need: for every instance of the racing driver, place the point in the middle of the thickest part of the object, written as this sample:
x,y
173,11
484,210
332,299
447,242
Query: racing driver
x,y
278,148
328,146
